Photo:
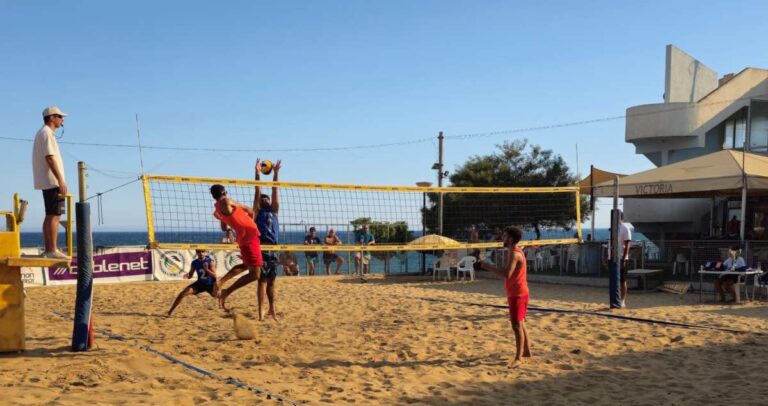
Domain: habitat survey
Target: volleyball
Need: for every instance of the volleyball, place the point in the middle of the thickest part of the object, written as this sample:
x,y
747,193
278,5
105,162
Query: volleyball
x,y
266,167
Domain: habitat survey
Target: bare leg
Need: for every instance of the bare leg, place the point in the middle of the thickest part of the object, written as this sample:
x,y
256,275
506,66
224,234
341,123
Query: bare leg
x,y
262,295
236,270
339,262
526,347
357,265
54,224
519,337
253,274
311,268
46,234
184,293
327,268
719,289
271,296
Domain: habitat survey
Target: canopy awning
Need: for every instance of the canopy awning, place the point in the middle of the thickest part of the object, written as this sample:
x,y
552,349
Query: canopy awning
x,y
595,178
718,174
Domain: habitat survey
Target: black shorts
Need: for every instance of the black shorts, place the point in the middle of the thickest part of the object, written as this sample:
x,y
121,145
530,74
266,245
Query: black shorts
x,y
269,269
328,258
623,268
199,287
51,199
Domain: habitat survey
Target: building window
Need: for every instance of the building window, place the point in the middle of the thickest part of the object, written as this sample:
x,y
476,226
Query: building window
x,y
735,131
758,131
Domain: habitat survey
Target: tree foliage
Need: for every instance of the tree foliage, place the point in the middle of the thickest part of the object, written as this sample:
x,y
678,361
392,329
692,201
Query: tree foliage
x,y
384,233
515,164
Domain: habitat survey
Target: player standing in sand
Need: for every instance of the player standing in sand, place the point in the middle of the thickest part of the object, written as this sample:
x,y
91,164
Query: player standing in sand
x,y
205,268
514,273
239,218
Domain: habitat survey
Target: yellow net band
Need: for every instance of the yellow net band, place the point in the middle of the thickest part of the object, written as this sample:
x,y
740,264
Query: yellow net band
x,y
372,188
357,248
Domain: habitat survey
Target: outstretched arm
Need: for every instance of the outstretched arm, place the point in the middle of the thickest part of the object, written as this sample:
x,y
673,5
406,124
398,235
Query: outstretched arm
x,y
275,201
257,191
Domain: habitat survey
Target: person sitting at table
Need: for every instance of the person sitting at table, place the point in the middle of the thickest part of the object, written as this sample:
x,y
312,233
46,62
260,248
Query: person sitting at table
x,y
724,283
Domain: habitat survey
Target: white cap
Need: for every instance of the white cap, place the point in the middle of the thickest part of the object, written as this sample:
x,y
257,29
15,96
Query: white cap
x,y
49,111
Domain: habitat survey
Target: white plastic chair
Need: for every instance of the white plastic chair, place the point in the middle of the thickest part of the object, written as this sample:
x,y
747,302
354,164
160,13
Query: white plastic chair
x,y
532,255
443,264
466,266
572,255
760,286
681,260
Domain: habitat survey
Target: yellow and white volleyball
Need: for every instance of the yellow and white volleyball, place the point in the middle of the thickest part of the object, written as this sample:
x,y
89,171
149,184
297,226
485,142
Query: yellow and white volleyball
x,y
266,167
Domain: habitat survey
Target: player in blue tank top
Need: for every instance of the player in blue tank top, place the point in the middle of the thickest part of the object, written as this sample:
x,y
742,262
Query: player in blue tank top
x,y
205,268
266,210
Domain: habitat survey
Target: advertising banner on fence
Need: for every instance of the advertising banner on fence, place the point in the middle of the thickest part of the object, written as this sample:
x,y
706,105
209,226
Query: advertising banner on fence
x,y
32,276
172,265
109,266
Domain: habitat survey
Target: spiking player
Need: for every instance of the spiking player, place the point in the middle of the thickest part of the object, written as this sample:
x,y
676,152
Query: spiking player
x,y
241,219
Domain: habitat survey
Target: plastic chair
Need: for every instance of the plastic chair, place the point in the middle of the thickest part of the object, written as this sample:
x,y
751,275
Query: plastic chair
x,y
466,266
572,255
532,255
760,286
681,260
443,264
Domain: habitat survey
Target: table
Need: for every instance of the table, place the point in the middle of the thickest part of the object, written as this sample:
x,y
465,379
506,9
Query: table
x,y
752,272
644,274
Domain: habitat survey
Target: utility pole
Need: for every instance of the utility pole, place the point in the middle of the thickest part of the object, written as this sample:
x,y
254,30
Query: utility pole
x,y
440,176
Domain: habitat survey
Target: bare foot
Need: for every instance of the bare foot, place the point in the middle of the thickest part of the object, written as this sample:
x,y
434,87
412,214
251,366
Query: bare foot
x,y
514,364
274,315
223,294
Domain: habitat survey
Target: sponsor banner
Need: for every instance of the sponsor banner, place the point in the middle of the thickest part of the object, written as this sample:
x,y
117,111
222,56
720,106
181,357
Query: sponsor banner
x,y
172,265
32,276
109,266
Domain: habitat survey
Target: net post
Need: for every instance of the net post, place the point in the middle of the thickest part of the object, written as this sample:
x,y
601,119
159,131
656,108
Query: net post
x,y
148,209
578,214
82,333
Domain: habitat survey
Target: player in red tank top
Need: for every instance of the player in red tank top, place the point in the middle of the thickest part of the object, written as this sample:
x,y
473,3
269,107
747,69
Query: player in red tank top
x,y
514,273
239,218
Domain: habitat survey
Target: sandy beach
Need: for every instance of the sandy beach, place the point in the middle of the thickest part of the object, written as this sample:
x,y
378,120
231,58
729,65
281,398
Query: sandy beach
x,y
339,341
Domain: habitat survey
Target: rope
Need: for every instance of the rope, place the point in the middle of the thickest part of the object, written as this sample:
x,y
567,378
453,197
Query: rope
x,y
201,371
406,142
600,314
98,195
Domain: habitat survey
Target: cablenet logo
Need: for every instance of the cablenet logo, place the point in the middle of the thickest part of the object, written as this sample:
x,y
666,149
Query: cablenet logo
x,y
172,263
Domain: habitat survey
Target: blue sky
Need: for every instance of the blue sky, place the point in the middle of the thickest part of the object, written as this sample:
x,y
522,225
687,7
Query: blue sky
x,y
282,75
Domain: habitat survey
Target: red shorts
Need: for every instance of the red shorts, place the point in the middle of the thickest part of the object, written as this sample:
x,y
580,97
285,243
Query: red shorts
x,y
518,307
250,253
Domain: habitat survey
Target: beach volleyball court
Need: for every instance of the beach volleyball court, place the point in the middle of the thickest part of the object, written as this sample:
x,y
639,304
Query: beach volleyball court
x,y
340,341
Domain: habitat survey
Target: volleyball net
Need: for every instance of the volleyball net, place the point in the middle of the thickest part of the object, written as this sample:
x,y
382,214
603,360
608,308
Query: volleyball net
x,y
180,214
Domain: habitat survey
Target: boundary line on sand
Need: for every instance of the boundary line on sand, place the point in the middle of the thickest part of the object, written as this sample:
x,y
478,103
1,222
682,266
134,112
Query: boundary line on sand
x,y
169,357
600,314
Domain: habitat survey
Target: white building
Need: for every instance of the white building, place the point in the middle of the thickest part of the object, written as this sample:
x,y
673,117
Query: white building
x,y
701,114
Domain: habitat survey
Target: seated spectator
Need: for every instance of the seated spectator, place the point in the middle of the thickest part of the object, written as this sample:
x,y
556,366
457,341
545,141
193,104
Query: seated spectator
x,y
290,266
724,284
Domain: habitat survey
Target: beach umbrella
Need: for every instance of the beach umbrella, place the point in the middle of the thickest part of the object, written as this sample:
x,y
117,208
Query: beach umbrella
x,y
434,239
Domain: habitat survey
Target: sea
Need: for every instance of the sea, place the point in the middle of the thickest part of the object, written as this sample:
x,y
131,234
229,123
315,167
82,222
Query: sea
x,y
404,262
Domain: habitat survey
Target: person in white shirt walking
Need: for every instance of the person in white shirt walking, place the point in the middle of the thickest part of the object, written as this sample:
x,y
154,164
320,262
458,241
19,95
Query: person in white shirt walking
x,y
48,171
625,240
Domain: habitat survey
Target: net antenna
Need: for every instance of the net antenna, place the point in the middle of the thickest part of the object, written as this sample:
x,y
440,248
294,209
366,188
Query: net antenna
x,y
141,152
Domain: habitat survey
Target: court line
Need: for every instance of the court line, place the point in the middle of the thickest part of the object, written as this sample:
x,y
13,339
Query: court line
x,y
599,314
169,357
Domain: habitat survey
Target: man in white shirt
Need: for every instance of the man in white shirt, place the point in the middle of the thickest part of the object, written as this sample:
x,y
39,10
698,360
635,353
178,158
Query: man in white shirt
x,y
48,171
625,240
